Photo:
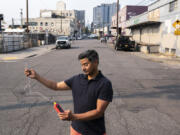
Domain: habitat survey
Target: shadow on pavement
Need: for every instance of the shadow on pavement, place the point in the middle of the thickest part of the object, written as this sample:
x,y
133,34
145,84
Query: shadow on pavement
x,y
30,105
170,91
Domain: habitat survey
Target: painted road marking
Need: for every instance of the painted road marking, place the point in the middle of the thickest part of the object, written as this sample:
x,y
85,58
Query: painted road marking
x,y
9,61
10,58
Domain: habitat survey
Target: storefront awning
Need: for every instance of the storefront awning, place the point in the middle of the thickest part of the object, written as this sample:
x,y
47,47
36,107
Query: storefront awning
x,y
143,24
113,27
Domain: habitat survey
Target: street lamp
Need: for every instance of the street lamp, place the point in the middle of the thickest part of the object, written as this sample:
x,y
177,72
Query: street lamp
x,y
21,14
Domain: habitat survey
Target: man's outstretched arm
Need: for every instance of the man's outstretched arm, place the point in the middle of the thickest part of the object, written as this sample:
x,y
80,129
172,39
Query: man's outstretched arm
x,y
48,83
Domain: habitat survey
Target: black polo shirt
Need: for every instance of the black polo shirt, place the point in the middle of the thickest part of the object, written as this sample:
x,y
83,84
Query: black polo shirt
x,y
85,94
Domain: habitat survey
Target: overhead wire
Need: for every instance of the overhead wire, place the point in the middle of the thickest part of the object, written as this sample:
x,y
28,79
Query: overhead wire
x,y
146,2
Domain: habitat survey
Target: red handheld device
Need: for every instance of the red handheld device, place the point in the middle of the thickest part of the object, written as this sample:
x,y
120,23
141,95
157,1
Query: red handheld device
x,y
58,108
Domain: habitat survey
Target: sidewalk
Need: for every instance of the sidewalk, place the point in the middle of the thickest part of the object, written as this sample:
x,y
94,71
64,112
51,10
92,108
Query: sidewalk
x,y
161,58
30,52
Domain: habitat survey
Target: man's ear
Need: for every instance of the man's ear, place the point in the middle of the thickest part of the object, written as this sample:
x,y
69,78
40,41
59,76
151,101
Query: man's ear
x,y
96,62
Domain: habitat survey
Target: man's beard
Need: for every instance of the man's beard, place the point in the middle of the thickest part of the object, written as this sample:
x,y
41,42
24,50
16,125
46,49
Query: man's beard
x,y
90,72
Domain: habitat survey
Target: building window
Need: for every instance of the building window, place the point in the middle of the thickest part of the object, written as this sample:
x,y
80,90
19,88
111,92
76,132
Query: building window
x,y
70,14
32,23
166,50
41,23
66,14
46,24
52,24
173,5
173,51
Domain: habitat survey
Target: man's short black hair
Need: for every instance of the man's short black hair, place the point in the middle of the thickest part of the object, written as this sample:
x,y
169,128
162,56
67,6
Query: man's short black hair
x,y
91,55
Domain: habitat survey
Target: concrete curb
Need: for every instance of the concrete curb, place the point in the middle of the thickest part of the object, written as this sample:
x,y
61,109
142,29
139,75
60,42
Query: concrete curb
x,y
27,53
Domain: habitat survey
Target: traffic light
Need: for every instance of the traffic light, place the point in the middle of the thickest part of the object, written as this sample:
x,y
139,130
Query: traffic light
x,y
1,17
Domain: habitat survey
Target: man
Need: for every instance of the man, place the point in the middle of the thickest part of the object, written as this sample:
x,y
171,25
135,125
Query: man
x,y
91,92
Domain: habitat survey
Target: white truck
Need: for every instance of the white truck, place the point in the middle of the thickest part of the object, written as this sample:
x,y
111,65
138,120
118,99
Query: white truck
x,y
63,42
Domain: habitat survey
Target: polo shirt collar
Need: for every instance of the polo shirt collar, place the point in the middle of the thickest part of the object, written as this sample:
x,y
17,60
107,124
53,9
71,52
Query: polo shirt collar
x,y
99,75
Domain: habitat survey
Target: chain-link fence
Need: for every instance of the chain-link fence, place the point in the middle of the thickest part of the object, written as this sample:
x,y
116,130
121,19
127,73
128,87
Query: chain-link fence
x,y
14,42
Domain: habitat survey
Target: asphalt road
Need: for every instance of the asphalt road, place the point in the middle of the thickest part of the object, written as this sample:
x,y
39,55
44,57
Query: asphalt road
x,y
146,93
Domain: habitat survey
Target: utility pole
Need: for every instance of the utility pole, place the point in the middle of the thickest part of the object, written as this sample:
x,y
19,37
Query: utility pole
x,y
117,20
21,14
27,16
103,19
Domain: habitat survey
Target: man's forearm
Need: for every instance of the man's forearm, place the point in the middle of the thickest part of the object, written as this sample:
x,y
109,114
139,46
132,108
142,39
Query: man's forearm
x,y
47,83
90,115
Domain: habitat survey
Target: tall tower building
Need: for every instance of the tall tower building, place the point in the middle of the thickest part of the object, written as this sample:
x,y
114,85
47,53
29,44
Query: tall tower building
x,y
61,5
102,14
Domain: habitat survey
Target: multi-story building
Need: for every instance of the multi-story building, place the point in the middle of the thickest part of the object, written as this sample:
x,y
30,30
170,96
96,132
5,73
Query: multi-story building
x,y
102,15
158,29
125,14
55,26
112,11
80,20
59,21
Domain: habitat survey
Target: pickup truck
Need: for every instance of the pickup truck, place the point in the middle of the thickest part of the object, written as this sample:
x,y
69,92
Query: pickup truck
x,y
63,42
124,43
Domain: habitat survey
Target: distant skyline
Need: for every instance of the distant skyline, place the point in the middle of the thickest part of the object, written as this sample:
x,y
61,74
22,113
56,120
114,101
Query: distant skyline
x,y
11,8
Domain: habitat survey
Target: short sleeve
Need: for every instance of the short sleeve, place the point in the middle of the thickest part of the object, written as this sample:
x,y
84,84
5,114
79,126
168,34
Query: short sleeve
x,y
69,81
106,92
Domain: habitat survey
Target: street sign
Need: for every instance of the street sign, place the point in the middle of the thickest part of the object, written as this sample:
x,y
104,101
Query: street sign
x,y
176,25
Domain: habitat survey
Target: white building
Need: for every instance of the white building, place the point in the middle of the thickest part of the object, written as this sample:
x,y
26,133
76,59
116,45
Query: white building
x,y
158,27
59,21
55,26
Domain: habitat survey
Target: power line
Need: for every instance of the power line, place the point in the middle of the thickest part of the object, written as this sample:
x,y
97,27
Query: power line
x,y
146,2
139,3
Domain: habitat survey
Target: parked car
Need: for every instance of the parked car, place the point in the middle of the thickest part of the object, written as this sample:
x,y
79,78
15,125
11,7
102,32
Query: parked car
x,y
84,36
93,36
73,38
63,42
103,40
124,43
80,38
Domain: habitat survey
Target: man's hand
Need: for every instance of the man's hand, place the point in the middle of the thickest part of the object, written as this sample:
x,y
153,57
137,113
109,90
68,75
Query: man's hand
x,y
30,73
87,116
66,115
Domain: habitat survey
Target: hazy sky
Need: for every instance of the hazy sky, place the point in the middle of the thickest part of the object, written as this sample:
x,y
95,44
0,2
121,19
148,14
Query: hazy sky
x,y
11,8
